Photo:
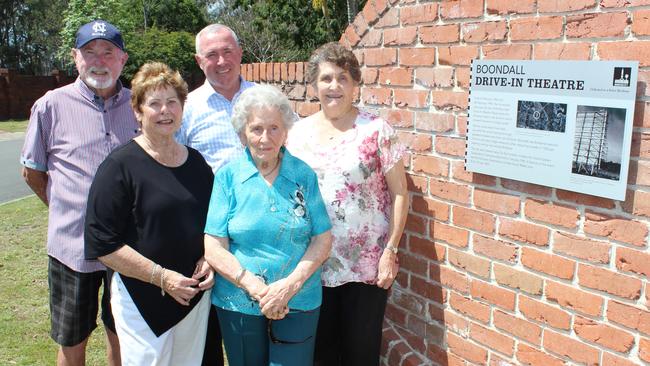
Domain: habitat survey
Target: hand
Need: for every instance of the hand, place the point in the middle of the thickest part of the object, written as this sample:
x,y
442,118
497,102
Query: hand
x,y
274,304
388,268
254,286
204,273
181,288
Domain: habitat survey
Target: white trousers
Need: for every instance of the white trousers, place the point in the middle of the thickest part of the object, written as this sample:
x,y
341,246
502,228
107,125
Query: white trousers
x,y
181,345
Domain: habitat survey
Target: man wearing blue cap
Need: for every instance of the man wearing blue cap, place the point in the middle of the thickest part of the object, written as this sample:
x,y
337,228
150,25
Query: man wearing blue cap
x,y
71,130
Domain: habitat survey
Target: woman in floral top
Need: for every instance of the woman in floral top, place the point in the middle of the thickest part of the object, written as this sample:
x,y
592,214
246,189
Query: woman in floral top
x,y
358,161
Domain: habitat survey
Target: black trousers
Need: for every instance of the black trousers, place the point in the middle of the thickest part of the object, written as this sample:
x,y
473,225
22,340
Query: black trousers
x,y
213,353
350,324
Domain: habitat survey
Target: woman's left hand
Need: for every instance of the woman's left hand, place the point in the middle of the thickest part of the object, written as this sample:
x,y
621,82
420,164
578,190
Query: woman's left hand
x,y
274,304
204,273
388,268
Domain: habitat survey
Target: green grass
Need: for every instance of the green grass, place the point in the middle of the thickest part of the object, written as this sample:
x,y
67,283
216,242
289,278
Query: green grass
x,y
13,125
24,309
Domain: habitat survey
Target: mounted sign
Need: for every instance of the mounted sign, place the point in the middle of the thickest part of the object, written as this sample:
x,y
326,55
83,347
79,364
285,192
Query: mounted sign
x,y
563,124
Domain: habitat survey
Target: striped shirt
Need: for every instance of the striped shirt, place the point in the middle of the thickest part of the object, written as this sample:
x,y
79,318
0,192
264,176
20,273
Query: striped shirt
x,y
206,125
70,132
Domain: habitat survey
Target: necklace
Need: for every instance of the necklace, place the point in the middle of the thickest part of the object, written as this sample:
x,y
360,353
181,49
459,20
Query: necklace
x,y
277,163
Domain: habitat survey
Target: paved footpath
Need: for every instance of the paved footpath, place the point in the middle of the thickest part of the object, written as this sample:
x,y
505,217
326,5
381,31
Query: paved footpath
x,y
12,185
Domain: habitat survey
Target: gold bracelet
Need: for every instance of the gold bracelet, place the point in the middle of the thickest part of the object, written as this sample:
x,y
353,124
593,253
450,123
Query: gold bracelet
x,y
162,280
153,273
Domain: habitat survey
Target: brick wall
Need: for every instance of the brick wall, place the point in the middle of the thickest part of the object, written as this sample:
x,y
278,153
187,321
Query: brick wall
x,y
19,92
496,271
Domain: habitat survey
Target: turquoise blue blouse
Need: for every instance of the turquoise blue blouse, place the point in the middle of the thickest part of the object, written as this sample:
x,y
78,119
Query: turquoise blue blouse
x,y
269,228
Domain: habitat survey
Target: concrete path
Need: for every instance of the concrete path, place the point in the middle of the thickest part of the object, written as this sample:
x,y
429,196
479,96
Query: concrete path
x,y
12,185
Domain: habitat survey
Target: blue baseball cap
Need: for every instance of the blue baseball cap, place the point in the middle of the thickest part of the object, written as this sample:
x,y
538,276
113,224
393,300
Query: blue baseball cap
x,y
99,29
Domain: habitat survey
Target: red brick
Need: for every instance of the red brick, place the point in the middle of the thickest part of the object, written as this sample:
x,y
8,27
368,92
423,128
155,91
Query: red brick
x,y
434,77
369,75
622,3
473,219
434,122
398,117
637,203
371,39
554,6
596,25
611,360
449,100
416,224
390,19
416,183
458,172
585,199
485,31
496,202
410,98
397,351
495,249
466,349
579,247
562,51
543,313
296,92
605,335
307,109
504,7
262,71
500,297
532,356
380,56
643,89
360,25
400,36
396,76
277,72
626,50
444,33
417,56
510,52
524,187
568,347
523,231
629,316
430,207
471,308
528,29
609,282
424,13
469,263
369,13
454,9
640,145
462,77
572,298
407,301
457,55
450,146
644,349
616,228
647,295
450,191
492,339
513,278
633,261
426,248
456,323
449,234
548,263
641,109
520,328
641,24
415,141
376,96
412,263
380,6
428,290
449,278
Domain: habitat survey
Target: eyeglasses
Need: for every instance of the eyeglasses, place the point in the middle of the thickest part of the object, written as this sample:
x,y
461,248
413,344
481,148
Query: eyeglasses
x,y
275,340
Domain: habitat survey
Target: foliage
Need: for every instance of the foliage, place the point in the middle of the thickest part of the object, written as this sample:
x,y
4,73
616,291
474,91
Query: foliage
x,y
13,125
282,30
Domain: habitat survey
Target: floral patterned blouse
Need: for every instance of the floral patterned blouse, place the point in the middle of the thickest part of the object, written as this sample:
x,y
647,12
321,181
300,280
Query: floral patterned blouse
x,y
351,179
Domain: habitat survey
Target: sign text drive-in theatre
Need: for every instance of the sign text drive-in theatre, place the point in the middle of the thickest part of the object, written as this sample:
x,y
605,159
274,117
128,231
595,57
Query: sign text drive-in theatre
x,y
563,124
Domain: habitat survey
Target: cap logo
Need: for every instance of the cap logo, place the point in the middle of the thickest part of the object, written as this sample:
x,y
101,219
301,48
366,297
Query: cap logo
x,y
99,27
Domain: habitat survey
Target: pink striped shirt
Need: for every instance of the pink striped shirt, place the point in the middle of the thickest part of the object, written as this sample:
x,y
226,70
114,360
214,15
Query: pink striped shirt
x,y
70,132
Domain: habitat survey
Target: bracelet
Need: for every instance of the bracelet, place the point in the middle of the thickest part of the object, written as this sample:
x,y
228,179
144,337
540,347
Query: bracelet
x,y
162,280
392,248
153,272
239,277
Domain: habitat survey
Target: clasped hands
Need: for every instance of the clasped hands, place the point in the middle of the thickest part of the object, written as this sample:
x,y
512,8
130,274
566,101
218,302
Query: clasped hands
x,y
273,298
182,288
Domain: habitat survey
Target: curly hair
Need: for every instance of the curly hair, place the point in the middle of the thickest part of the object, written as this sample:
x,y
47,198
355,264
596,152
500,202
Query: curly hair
x,y
154,75
338,55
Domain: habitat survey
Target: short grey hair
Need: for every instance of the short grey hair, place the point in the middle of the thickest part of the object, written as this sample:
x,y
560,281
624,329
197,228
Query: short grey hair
x,y
261,96
211,29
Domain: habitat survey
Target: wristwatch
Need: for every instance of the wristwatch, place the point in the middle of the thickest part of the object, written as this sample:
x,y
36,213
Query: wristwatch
x,y
392,248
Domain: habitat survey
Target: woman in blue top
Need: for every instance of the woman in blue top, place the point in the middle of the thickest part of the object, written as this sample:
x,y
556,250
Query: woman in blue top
x,y
267,234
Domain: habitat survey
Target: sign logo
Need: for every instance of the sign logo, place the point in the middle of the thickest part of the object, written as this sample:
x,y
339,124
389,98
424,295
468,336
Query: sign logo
x,y
622,76
99,27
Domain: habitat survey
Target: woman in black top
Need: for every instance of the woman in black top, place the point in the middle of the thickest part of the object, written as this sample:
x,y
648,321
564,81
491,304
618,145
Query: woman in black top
x,y
145,219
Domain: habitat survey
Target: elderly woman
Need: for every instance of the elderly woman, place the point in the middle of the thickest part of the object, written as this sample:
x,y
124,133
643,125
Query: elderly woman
x,y
360,172
145,218
267,234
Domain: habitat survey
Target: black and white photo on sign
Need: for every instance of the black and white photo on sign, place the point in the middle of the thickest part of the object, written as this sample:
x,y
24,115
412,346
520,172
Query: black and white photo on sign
x,y
598,142
543,116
